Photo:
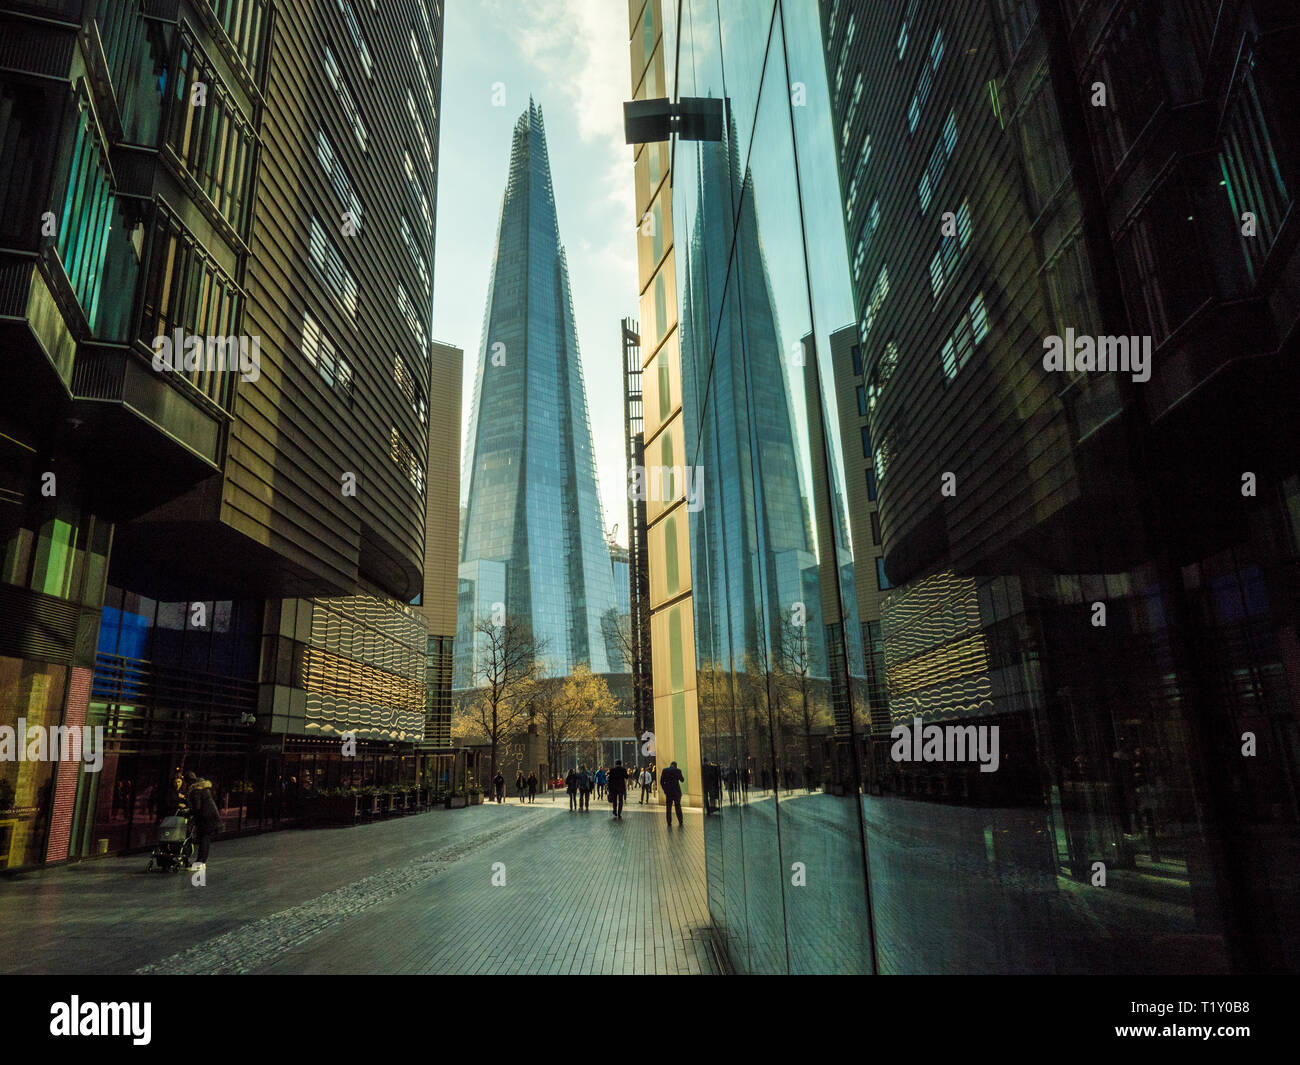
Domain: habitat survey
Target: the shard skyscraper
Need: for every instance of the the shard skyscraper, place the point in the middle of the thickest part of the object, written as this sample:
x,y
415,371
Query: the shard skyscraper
x,y
532,537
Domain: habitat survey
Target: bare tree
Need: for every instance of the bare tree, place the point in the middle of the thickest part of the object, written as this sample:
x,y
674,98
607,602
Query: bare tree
x,y
791,672
507,670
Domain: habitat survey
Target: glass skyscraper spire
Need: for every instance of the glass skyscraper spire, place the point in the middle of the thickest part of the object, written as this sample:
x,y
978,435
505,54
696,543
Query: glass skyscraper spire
x,y
532,527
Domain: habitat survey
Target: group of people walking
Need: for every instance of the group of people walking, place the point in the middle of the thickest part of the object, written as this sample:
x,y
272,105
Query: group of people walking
x,y
614,782
610,782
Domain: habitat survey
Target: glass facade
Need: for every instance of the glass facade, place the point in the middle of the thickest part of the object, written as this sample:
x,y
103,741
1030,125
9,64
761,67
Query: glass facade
x,y
530,472
1041,714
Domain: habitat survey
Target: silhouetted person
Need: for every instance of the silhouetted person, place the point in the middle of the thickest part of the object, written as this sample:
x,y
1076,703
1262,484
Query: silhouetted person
x,y
571,785
532,787
586,781
499,782
671,781
618,787
206,816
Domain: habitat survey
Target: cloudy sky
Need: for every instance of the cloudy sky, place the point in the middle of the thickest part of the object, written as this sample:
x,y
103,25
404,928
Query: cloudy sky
x,y
571,55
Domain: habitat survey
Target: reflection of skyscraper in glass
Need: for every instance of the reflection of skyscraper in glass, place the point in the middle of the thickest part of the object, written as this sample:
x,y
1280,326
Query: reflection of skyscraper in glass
x,y
530,477
755,524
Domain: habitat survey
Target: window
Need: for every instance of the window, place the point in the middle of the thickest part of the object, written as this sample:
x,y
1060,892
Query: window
x,y
346,102
853,195
404,457
330,268
878,294
856,354
214,143
925,82
902,40
865,153
416,257
358,39
945,260
88,209
321,353
1251,170
417,191
871,484
418,126
414,393
972,327
882,582
844,53
943,148
422,72
338,176
186,289
979,318
862,401
866,440
408,311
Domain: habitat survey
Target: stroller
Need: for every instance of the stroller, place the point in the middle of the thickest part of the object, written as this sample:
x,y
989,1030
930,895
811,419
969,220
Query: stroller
x,y
174,850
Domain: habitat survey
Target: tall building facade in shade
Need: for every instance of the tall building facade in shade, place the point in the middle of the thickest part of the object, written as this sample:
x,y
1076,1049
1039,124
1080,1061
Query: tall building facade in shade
x,y
438,600
209,173
530,476
1095,563
670,605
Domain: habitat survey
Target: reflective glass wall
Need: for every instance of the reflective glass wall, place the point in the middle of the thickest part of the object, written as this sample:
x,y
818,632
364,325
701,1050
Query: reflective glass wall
x,y
1083,610
762,281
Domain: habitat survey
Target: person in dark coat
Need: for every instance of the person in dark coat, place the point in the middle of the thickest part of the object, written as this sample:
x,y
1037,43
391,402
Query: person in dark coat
x,y
532,787
205,816
571,783
618,787
499,782
586,781
671,781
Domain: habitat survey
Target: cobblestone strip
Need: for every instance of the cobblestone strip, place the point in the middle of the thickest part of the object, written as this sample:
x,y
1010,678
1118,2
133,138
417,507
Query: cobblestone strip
x,y
260,942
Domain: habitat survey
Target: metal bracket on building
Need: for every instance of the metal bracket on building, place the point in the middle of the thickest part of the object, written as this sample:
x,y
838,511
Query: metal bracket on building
x,y
692,118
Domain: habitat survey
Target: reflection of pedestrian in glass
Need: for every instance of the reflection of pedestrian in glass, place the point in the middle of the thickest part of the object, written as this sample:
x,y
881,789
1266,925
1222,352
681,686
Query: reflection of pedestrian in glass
x,y
672,783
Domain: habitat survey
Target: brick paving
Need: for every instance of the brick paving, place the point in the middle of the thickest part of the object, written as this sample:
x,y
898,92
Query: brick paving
x,y
582,894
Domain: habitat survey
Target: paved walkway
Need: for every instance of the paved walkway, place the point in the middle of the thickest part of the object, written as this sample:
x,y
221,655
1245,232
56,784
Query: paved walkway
x,y
574,893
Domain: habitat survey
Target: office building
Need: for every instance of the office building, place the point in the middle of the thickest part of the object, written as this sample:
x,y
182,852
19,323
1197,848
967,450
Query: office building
x,y
533,526
221,353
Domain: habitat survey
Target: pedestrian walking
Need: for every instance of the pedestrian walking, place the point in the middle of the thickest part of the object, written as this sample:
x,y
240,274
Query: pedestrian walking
x,y
499,782
586,781
206,818
618,787
532,787
571,783
602,779
671,780
654,777
520,784
645,785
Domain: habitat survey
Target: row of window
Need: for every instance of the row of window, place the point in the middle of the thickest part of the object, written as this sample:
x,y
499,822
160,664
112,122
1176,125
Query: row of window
x,y
358,38
925,82
410,388
864,240
186,289
407,461
878,294
943,149
972,328
87,210
245,23
212,140
328,263
338,177
944,263
322,353
341,91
